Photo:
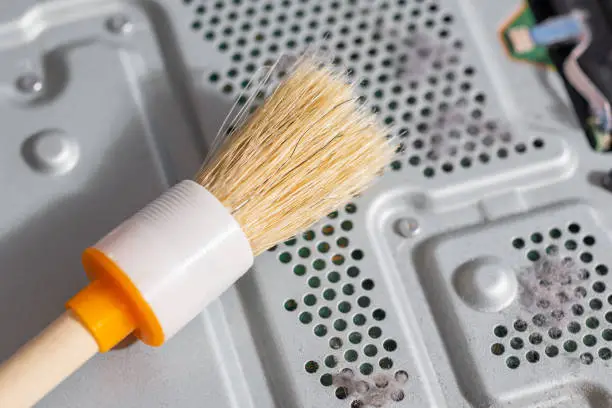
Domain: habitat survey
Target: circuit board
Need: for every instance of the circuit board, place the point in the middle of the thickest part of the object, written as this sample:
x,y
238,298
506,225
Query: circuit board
x,y
474,273
523,17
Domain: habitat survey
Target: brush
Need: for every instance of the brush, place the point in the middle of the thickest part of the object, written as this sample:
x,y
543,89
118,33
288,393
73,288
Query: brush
x,y
307,150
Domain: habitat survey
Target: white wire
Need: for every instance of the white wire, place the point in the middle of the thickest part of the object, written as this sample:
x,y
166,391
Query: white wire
x,y
581,82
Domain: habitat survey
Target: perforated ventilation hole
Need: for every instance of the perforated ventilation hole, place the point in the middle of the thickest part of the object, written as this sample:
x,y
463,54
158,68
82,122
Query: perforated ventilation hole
x,y
450,140
338,301
513,362
568,300
331,361
291,305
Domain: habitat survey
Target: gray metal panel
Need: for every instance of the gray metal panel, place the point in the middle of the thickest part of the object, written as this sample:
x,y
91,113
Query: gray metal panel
x,y
409,297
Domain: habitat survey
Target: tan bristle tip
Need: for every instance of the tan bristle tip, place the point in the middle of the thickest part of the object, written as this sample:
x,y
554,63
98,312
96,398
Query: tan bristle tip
x,y
307,150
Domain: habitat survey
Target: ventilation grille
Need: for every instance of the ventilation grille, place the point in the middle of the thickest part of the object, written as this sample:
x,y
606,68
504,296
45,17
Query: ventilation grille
x,y
565,298
412,68
405,57
339,306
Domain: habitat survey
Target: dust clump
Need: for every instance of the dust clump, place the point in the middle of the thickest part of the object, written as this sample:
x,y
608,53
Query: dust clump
x,y
377,392
550,289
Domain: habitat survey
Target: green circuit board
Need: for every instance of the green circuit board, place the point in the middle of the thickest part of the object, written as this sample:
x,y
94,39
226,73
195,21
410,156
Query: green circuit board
x,y
524,18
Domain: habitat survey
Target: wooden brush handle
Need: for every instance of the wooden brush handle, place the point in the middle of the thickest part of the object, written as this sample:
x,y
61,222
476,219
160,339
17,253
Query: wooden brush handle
x,y
44,362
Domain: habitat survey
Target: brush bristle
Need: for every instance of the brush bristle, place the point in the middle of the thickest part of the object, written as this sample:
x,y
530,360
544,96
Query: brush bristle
x,y
307,150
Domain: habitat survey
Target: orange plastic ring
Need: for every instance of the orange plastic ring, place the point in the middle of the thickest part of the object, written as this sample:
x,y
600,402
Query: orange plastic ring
x,y
111,303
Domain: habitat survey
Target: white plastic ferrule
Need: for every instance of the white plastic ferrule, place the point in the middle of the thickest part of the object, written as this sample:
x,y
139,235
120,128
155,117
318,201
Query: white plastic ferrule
x,y
181,252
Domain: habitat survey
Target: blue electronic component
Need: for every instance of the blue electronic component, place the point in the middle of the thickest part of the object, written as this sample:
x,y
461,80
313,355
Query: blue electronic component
x,y
556,30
